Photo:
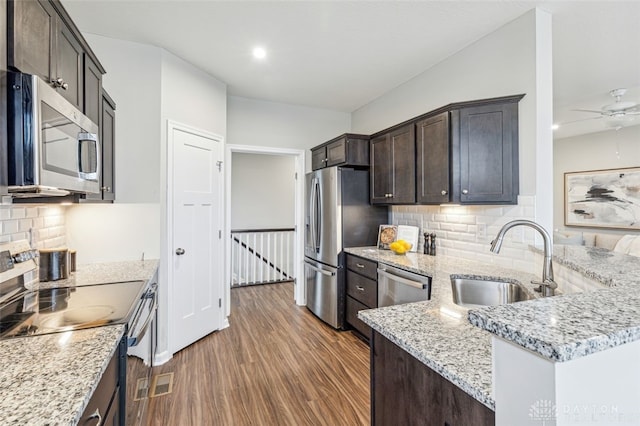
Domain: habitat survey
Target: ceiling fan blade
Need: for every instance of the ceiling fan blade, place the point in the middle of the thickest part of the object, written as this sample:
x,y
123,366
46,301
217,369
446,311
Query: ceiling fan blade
x,y
582,119
588,110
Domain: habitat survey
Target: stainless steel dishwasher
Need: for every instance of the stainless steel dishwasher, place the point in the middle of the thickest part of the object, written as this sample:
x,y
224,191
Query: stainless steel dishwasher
x,y
397,286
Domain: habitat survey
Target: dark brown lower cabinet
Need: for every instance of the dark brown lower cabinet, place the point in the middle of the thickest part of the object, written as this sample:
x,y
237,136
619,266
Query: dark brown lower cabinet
x,y
404,391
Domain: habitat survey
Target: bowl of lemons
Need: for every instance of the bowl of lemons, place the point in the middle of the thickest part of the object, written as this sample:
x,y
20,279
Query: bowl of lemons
x,y
400,246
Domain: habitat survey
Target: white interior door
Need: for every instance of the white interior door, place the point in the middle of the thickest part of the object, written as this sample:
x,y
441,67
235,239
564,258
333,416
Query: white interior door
x,y
197,278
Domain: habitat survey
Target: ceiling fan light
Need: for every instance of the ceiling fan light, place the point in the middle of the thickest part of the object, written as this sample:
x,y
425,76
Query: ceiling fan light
x,y
617,121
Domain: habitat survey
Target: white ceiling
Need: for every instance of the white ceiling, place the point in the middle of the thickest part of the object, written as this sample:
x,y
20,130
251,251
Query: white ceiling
x,y
341,55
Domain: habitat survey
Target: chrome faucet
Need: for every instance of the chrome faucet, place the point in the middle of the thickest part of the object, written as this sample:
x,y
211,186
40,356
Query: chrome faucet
x,y
547,285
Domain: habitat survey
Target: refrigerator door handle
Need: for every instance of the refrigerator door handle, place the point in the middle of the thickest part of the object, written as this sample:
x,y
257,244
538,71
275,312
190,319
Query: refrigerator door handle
x,y
317,221
322,271
312,215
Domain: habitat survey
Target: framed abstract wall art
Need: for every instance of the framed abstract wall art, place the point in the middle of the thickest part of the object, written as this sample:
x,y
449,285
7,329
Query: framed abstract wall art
x,y
603,198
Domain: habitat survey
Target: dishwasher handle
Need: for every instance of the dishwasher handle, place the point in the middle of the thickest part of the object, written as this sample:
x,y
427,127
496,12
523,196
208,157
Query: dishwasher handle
x,y
402,280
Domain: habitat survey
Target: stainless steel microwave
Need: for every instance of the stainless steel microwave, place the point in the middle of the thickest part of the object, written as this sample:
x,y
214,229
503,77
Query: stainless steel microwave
x,y
53,149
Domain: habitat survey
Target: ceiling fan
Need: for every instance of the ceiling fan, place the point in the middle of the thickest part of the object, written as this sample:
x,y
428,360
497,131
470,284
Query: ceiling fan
x,y
617,114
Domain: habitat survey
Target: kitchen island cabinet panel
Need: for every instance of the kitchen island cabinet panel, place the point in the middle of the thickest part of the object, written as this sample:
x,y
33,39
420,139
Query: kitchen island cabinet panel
x,y
407,392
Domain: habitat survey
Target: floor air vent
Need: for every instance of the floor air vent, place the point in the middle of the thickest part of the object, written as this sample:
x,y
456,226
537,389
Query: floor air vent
x,y
142,389
162,384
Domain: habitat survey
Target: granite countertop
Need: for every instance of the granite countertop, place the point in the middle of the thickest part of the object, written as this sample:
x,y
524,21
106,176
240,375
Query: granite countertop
x,y
49,379
110,272
563,328
437,331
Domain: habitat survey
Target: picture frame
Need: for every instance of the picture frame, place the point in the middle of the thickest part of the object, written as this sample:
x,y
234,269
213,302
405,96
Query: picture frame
x,y
386,235
608,198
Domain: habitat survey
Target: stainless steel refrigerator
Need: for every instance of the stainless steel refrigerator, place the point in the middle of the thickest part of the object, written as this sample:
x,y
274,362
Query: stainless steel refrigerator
x,y
337,215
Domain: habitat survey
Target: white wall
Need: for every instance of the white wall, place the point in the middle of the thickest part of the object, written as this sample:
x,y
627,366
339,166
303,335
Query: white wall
x,y
609,149
133,81
502,63
113,232
271,124
262,191
149,86
191,96
515,58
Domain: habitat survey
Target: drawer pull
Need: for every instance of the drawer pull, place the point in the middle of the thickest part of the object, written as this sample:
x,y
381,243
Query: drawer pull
x,y
359,288
360,265
96,415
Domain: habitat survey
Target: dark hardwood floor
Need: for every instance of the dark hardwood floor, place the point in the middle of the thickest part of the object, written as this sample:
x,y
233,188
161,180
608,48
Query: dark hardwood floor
x,y
276,364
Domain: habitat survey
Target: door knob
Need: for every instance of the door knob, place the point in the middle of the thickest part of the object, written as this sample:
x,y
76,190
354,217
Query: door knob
x,y
179,251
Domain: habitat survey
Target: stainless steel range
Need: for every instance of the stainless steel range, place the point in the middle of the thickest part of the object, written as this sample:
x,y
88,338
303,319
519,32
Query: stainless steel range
x,y
26,310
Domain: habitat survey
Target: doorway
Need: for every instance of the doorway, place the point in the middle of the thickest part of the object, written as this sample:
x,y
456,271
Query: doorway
x,y
242,209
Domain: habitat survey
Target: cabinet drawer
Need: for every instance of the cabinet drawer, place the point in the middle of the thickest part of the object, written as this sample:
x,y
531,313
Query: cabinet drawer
x,y
353,307
364,290
365,267
103,394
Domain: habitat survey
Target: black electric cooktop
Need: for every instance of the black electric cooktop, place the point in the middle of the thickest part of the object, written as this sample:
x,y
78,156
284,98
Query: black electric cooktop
x,y
45,311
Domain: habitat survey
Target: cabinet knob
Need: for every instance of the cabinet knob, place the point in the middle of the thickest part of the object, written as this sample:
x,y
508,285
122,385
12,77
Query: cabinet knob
x,y
106,189
465,191
360,265
359,288
388,195
59,82
180,251
444,192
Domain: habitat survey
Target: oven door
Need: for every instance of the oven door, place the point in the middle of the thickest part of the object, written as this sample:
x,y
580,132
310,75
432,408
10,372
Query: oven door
x,y
141,349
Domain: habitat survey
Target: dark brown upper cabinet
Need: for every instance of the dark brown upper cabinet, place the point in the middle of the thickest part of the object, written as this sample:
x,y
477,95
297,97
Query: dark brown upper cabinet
x,y
107,115
44,41
31,33
467,153
433,177
346,150
3,100
92,90
487,154
393,166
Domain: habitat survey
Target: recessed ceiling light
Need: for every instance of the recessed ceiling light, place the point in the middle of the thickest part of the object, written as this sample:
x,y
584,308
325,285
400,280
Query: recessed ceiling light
x,y
259,53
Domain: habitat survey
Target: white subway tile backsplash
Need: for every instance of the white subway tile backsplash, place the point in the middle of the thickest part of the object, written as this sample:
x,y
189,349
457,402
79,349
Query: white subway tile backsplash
x,y
45,225
458,234
18,213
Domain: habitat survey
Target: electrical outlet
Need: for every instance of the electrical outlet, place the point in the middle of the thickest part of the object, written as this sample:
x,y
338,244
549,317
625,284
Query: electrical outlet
x,y
481,230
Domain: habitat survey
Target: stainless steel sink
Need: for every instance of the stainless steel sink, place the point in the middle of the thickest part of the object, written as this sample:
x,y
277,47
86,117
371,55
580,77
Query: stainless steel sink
x,y
477,292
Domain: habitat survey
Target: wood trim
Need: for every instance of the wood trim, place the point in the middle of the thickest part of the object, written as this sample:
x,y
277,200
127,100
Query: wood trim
x,y
453,106
344,135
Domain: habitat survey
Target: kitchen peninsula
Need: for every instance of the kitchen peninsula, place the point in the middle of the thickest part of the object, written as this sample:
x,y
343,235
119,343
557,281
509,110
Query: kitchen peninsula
x,y
559,330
